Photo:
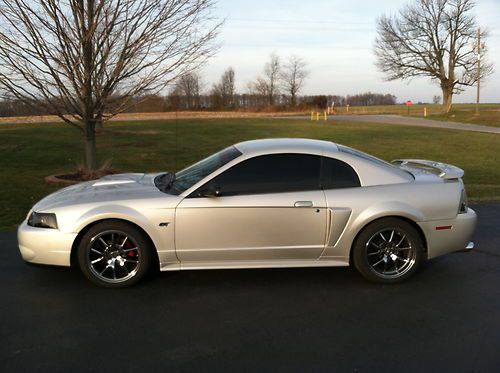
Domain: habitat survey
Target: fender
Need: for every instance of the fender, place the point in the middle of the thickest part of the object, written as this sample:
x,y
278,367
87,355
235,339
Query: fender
x,y
164,243
383,209
361,219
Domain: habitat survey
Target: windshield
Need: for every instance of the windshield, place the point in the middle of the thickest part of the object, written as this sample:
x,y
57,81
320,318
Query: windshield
x,y
189,176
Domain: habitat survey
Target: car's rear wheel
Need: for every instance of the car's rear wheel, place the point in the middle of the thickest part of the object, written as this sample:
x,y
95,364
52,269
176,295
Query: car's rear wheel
x,y
388,250
114,254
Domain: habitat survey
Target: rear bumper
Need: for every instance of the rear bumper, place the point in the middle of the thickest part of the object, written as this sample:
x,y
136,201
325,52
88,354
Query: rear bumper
x,y
45,246
455,238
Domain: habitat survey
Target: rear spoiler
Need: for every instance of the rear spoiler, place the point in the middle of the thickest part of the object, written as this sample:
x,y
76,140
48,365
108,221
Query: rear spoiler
x,y
445,171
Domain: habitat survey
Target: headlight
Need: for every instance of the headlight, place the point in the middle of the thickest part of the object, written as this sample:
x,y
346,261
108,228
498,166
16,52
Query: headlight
x,y
42,220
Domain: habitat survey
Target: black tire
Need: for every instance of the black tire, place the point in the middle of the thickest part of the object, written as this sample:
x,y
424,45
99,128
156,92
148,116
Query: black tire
x,y
114,254
389,250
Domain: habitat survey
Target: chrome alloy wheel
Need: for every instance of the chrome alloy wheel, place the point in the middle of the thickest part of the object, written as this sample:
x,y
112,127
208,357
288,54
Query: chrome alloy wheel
x,y
113,256
390,253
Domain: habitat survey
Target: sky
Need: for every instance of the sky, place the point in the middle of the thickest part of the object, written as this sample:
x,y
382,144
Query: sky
x,y
336,39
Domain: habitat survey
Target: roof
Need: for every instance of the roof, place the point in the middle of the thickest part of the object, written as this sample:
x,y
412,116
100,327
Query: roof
x,y
283,145
370,171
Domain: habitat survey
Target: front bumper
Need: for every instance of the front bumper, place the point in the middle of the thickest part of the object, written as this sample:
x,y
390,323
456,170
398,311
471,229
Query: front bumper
x,y
456,238
45,246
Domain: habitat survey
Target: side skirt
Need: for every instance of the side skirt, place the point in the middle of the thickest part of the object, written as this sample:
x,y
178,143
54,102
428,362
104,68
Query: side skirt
x,y
255,264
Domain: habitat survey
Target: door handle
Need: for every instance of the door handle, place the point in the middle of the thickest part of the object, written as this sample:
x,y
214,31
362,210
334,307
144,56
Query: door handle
x,y
303,204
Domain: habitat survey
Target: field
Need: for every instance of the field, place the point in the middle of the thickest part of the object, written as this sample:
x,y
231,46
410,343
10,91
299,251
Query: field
x,y
459,112
489,116
464,113
400,109
28,152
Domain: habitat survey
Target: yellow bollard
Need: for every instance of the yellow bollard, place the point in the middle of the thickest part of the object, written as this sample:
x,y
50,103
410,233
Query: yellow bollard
x,y
324,116
425,112
312,115
317,116
347,107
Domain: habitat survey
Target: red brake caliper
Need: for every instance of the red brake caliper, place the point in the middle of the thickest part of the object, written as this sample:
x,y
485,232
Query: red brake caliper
x,y
129,246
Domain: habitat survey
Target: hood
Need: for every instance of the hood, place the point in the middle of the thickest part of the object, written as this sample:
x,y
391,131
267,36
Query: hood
x,y
106,189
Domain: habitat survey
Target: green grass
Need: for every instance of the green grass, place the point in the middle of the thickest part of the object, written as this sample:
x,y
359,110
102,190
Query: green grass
x,y
399,109
464,113
416,110
489,116
30,152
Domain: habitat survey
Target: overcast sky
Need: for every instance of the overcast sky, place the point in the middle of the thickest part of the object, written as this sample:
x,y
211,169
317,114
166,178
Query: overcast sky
x,y
336,38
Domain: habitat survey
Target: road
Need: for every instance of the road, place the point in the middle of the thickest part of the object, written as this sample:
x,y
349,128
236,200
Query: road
x,y
410,121
446,318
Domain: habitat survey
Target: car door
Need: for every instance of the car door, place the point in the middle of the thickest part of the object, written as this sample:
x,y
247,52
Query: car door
x,y
269,207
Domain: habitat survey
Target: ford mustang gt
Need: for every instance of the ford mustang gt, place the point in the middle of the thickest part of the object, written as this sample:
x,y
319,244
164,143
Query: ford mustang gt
x,y
257,204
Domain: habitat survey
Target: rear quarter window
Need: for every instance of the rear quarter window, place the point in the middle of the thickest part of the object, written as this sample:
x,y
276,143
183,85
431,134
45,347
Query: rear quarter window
x,y
338,174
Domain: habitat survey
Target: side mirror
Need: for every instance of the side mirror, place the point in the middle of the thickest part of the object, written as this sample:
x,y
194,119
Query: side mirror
x,y
213,191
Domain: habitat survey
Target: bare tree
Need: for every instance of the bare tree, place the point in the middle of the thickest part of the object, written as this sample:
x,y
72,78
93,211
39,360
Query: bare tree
x,y
228,89
436,99
189,86
257,93
268,86
433,38
223,92
293,76
86,59
259,87
272,72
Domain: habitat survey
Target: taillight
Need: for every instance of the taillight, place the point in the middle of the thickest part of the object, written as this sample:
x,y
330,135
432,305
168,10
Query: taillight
x,y
462,209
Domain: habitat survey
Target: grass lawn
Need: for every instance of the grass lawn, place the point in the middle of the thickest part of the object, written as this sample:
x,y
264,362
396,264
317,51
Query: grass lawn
x,y
491,111
464,113
416,110
489,116
28,152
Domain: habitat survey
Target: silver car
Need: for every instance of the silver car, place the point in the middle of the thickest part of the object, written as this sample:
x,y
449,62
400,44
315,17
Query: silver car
x,y
257,204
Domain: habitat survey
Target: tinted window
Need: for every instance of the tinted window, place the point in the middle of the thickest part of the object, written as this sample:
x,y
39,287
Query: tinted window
x,y
273,173
338,174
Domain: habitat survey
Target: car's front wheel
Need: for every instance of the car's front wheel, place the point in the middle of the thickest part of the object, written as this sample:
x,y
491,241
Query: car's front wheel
x,y
114,254
388,250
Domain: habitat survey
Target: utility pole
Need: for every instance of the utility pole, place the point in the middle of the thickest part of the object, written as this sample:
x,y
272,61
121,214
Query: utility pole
x,y
478,69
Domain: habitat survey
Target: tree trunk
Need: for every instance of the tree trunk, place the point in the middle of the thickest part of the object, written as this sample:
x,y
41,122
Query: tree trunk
x,y
90,149
88,116
447,99
293,100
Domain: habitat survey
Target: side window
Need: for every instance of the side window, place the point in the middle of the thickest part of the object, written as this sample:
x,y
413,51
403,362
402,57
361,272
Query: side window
x,y
273,173
338,174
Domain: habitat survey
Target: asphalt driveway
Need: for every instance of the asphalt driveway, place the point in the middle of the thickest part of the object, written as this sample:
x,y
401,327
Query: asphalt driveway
x,y
447,318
